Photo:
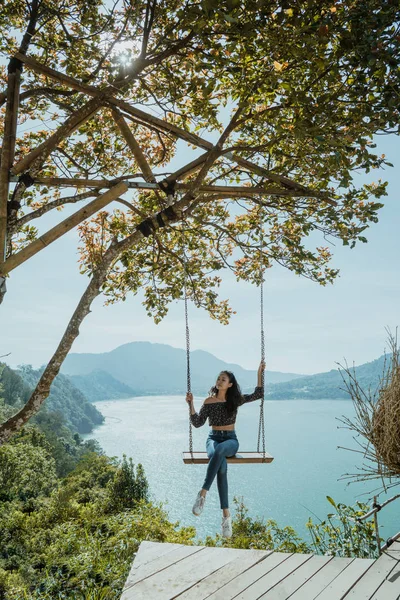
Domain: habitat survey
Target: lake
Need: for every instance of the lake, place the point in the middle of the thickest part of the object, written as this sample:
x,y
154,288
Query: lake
x,y
303,436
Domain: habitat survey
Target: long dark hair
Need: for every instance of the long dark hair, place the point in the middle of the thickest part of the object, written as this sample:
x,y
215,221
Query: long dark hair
x,y
234,396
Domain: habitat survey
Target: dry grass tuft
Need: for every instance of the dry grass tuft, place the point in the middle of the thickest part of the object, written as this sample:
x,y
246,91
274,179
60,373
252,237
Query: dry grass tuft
x,y
376,422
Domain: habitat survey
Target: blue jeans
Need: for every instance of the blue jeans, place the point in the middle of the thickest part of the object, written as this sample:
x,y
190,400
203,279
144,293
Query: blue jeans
x,y
219,446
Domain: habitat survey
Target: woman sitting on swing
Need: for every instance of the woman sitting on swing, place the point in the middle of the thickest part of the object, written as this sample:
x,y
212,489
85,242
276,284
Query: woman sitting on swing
x,y
221,410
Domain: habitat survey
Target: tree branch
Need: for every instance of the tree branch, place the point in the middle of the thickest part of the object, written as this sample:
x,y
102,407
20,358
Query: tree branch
x,y
53,234
51,205
149,18
187,136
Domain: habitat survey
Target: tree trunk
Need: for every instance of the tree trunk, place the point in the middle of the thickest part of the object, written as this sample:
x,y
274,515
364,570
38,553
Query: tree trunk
x,y
42,390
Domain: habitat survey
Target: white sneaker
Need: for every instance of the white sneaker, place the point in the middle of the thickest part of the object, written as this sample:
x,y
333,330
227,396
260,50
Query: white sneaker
x,y
226,527
198,505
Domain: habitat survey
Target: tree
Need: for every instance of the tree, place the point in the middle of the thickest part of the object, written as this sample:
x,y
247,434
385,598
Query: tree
x,y
127,487
292,96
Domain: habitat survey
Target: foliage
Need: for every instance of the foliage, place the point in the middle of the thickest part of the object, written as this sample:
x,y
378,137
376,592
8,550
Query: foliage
x,y
342,535
65,407
26,470
311,85
257,534
127,486
100,385
15,390
67,448
65,404
75,538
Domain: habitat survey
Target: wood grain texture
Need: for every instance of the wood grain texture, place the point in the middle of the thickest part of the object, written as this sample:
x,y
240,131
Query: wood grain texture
x,y
201,458
182,575
175,571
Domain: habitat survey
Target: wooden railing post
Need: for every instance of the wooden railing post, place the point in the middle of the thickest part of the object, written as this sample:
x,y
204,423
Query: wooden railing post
x,y
8,147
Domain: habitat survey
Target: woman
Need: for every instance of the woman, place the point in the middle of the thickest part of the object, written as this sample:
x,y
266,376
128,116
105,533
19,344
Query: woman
x,y
221,410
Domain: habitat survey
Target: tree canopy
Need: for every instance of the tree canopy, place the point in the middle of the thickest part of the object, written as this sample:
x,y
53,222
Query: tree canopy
x,y
283,101
307,86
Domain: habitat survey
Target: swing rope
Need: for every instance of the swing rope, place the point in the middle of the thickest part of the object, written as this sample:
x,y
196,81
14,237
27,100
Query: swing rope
x,y
261,425
187,333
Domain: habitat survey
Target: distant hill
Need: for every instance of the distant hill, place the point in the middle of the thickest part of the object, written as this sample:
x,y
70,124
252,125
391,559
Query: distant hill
x,y
99,385
327,385
161,369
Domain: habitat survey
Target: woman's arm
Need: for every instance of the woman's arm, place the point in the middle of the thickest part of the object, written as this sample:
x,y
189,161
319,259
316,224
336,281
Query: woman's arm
x,y
259,390
197,420
260,373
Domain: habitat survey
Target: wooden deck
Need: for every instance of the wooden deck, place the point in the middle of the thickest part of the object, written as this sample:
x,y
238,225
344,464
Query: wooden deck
x,y
167,571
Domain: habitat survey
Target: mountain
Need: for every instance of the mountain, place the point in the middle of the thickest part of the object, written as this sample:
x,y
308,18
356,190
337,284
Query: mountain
x,y
328,385
161,369
65,398
99,385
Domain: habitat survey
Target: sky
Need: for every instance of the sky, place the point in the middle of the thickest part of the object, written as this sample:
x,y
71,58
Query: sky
x,y
309,328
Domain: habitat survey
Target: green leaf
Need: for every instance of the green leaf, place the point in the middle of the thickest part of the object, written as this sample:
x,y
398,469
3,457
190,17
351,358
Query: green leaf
x,y
331,501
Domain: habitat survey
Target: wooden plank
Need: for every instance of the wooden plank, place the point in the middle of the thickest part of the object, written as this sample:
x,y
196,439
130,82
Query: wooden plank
x,y
315,585
158,565
244,580
227,573
201,458
298,578
271,579
345,581
134,146
390,588
182,575
150,551
382,580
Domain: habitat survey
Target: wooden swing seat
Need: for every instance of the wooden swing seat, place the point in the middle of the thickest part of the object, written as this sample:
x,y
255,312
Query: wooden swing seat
x,y
201,458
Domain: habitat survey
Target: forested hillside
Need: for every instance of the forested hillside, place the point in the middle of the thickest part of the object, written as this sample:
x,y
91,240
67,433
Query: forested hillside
x,y
328,385
65,399
68,513
99,385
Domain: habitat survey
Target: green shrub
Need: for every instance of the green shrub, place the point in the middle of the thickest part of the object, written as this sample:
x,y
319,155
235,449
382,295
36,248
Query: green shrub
x,y
26,471
258,534
127,487
76,539
342,535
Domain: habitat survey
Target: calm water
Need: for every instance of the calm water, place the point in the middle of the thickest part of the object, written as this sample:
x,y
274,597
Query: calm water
x,y
302,436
